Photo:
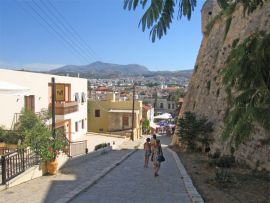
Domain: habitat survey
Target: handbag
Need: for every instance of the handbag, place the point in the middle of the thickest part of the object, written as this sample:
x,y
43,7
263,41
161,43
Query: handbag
x,y
160,158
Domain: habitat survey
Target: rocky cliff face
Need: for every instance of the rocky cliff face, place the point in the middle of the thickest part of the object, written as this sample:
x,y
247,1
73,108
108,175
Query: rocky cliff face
x,y
206,94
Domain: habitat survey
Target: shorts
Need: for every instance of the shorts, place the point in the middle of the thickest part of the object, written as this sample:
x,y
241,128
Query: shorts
x,y
147,153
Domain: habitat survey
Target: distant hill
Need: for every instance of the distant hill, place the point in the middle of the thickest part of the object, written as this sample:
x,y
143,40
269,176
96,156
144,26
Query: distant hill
x,y
107,70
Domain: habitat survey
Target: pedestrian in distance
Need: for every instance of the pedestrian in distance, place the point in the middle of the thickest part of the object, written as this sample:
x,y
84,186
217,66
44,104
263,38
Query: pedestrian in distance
x,y
147,150
157,151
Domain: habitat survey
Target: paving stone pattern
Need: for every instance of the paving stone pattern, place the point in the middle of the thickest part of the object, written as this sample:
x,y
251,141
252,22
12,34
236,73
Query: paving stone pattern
x,y
72,175
131,182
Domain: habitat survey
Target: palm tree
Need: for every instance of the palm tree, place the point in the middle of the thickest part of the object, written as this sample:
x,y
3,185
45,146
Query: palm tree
x,y
159,14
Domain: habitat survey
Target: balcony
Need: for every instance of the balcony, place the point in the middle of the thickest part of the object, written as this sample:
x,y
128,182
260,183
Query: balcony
x,y
64,108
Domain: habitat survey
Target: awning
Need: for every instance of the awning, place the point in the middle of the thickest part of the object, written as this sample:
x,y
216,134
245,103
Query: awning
x,y
153,125
7,88
164,116
122,111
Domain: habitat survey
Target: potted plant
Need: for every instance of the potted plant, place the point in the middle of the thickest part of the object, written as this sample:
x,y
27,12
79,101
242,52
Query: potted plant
x,y
39,138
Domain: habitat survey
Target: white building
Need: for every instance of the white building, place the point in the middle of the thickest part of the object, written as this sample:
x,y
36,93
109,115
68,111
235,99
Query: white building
x,y
162,105
71,100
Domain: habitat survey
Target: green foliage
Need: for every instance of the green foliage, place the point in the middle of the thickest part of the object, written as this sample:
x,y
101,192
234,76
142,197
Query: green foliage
x,y
251,5
226,161
247,72
211,24
158,16
208,85
223,4
27,121
204,129
192,129
102,145
227,11
175,95
235,42
146,125
228,24
40,140
223,176
37,136
9,136
196,67
2,134
152,84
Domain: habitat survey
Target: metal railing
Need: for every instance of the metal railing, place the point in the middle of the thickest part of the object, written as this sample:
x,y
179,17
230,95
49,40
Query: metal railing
x,y
15,163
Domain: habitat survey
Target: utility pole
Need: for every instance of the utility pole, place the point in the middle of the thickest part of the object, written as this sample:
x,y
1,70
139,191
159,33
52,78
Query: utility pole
x,y
53,107
133,98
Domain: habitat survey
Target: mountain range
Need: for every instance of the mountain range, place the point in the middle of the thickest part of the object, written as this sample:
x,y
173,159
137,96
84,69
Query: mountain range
x,y
108,70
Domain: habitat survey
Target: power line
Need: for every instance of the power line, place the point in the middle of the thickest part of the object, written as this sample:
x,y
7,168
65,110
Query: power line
x,y
61,31
60,35
64,28
42,25
83,42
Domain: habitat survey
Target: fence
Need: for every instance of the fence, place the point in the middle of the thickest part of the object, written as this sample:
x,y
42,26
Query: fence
x,y
15,163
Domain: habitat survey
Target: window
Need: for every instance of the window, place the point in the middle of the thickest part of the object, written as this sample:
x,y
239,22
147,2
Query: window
x,y
97,113
172,106
77,97
169,106
76,126
83,98
161,105
125,121
82,123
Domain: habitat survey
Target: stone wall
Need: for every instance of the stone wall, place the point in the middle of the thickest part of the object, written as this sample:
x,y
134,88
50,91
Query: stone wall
x,y
206,93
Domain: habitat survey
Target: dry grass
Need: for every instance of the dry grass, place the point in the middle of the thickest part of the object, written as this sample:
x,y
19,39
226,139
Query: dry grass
x,y
241,184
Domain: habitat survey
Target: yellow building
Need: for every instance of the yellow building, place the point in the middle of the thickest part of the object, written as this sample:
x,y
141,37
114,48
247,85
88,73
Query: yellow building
x,y
114,117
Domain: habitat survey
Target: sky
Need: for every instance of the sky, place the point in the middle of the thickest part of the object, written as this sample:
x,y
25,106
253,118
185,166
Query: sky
x,y
47,34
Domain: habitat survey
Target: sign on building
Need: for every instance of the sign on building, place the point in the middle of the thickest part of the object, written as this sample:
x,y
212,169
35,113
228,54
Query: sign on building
x,y
60,92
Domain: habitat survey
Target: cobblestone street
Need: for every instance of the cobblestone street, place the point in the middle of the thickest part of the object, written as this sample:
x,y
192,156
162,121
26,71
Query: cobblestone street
x,y
131,182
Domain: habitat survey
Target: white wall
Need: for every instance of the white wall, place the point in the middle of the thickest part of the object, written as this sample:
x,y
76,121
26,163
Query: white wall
x,y
38,85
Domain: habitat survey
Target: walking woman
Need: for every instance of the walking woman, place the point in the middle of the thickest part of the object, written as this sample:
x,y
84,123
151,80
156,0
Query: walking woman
x,y
157,151
147,150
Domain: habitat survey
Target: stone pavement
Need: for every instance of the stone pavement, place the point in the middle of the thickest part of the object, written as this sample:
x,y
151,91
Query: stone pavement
x,y
117,176
131,182
76,172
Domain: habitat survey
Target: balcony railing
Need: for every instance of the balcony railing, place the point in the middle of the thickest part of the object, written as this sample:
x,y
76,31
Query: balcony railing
x,y
65,107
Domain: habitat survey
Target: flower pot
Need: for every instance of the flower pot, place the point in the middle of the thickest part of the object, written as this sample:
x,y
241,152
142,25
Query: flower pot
x,y
52,166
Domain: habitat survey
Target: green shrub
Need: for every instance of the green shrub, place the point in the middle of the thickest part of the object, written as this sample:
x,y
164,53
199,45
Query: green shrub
x,y
223,176
226,161
216,155
102,145
9,136
193,129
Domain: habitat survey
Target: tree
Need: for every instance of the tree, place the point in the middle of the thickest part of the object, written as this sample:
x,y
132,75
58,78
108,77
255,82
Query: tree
x,y
159,14
247,72
193,129
146,126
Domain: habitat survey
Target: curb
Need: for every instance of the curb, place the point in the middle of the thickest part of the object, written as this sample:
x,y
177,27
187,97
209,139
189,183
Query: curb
x,y
193,194
84,186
